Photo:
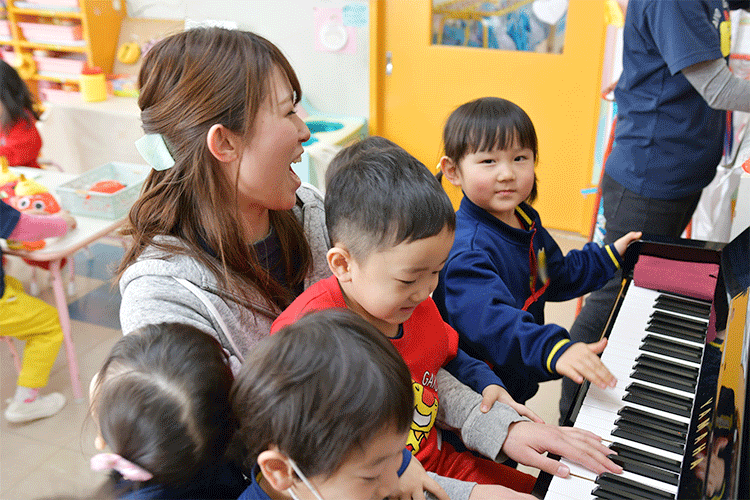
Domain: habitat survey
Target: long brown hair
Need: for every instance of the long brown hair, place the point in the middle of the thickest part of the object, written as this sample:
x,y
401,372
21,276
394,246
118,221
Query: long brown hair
x,y
189,82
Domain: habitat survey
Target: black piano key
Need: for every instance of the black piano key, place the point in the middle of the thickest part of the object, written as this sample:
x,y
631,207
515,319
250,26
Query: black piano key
x,y
607,495
688,372
630,489
661,400
657,376
679,321
643,469
676,304
646,457
640,434
649,419
673,331
676,350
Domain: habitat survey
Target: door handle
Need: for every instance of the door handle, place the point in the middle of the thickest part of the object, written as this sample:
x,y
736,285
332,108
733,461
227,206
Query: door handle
x,y
388,62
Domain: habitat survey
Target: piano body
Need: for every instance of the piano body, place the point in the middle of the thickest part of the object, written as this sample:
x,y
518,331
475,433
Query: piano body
x,y
678,345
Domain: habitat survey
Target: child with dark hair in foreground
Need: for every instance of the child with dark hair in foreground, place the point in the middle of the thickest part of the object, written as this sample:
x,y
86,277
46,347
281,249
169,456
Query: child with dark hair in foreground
x,y
161,405
324,408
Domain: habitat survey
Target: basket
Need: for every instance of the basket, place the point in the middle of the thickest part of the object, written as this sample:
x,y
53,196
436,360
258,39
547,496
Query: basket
x,y
51,33
72,64
75,197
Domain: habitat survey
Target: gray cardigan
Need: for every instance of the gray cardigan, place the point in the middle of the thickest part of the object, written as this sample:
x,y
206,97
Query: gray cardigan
x,y
150,295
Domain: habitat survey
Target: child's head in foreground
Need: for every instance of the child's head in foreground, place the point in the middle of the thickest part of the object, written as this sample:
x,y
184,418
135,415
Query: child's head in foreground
x,y
490,152
161,404
391,226
324,407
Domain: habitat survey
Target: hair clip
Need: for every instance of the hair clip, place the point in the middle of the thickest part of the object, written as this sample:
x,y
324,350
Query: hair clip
x,y
154,150
129,470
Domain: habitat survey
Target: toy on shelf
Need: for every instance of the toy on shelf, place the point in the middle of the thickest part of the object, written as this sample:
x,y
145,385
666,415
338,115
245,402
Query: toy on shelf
x,y
8,180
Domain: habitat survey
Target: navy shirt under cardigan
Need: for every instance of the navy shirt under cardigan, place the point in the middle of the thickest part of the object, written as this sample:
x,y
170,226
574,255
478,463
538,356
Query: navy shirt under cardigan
x,y
488,279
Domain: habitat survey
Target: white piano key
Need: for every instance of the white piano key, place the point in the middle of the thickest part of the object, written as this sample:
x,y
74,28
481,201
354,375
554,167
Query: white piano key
x,y
570,488
610,402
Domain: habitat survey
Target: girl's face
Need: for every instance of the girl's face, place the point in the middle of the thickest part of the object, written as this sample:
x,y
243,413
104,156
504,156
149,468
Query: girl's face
x,y
496,180
368,473
266,180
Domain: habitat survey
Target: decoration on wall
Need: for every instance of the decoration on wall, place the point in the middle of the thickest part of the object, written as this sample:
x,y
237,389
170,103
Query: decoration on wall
x,y
332,34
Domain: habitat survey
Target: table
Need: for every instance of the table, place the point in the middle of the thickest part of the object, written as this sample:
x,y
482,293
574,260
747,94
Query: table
x,y
83,135
88,230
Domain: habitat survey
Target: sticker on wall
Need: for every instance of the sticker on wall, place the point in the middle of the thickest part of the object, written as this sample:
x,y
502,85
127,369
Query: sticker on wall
x,y
331,34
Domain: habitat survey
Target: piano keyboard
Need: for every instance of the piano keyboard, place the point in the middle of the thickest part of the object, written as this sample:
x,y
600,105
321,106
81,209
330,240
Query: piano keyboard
x,y
655,348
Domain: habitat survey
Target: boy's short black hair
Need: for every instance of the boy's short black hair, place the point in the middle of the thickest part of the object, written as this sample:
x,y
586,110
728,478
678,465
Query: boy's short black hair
x,y
318,388
379,195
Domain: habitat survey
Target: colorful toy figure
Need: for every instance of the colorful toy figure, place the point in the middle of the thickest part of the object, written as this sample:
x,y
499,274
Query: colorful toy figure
x,y
29,195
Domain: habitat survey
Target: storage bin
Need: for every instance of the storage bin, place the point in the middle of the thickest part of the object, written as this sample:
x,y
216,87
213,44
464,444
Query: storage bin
x,y
59,95
69,64
8,55
4,29
51,33
75,196
54,3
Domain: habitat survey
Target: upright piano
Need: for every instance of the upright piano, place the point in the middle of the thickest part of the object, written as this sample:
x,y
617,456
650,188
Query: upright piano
x,y
679,416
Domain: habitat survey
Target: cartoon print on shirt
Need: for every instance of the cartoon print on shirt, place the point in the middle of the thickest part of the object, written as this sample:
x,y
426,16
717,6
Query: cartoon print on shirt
x,y
425,413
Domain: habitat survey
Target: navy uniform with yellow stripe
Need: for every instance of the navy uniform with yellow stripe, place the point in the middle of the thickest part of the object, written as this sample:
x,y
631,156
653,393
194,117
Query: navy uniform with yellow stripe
x,y
495,283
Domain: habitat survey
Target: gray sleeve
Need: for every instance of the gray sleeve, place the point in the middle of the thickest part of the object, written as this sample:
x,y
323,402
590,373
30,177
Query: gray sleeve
x,y
150,300
459,410
455,488
718,85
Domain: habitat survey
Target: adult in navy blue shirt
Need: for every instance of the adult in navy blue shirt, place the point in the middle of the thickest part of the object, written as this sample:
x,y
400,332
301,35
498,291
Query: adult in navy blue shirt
x,y
672,99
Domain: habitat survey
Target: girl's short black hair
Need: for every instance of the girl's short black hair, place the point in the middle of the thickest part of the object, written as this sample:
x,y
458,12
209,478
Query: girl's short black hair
x,y
487,123
379,195
16,98
161,401
319,387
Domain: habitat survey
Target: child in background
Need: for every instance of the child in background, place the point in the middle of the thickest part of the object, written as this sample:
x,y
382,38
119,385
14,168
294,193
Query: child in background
x,y
20,141
324,407
504,265
30,319
391,226
161,405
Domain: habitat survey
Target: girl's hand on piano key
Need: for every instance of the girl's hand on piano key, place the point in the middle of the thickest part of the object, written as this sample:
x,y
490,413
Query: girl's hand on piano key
x,y
493,393
622,243
527,442
581,361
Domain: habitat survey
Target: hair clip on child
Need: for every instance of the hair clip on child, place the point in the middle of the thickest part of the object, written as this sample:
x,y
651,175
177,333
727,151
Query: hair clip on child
x,y
129,470
154,150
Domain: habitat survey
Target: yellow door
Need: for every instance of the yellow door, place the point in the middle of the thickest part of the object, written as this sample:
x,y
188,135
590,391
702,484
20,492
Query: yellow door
x,y
560,92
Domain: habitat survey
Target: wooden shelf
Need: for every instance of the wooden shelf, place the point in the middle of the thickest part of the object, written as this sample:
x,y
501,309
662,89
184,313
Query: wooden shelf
x,y
100,22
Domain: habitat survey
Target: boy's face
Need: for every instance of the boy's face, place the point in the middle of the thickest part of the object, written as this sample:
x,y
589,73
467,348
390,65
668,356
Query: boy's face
x,y
387,287
368,473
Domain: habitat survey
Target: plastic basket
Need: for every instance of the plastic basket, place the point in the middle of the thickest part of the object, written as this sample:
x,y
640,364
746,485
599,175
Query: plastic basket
x,y
72,64
75,196
51,33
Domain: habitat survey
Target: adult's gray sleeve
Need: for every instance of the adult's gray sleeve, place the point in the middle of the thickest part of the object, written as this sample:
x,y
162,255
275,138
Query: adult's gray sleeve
x,y
455,488
719,86
459,410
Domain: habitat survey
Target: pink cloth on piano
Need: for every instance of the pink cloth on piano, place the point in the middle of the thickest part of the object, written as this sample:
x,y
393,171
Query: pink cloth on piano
x,y
693,279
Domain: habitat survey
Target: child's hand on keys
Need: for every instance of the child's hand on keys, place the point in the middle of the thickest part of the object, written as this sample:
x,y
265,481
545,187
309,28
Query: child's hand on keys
x,y
415,484
581,361
493,393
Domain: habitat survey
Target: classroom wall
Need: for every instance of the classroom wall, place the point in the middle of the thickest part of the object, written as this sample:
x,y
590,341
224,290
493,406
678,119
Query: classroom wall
x,y
332,82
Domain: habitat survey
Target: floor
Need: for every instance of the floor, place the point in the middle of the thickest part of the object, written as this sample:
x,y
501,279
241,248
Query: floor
x,y
50,457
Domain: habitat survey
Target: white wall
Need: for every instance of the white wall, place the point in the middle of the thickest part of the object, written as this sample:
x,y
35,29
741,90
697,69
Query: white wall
x,y
332,82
